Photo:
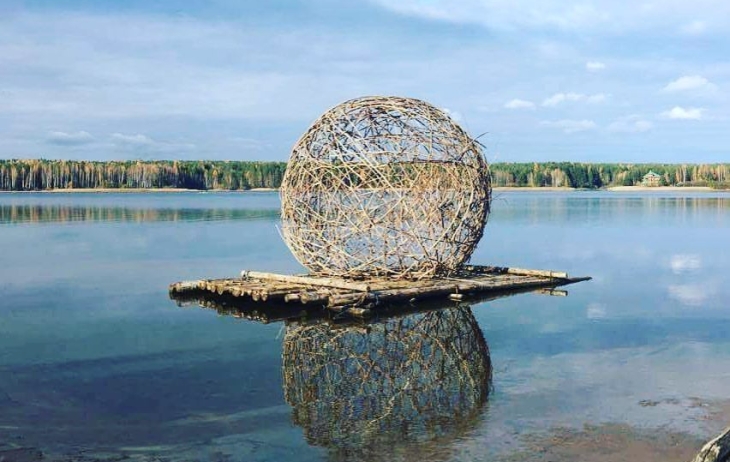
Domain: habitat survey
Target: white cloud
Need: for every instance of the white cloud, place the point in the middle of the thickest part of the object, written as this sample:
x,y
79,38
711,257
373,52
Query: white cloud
x,y
595,66
688,82
597,98
456,115
519,104
169,74
143,143
570,126
502,15
630,124
598,17
180,67
69,139
132,140
682,263
680,113
60,70
694,28
559,98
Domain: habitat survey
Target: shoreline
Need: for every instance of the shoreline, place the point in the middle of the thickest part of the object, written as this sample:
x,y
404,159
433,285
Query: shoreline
x,y
532,188
137,190
620,441
663,189
616,189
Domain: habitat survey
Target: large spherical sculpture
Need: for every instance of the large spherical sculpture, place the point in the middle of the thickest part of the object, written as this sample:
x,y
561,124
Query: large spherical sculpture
x,y
384,186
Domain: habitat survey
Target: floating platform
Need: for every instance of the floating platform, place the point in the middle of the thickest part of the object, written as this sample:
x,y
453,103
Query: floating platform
x,y
269,297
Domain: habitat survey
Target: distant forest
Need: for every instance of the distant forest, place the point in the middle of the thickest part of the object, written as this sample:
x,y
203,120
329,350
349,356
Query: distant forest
x,y
38,175
594,176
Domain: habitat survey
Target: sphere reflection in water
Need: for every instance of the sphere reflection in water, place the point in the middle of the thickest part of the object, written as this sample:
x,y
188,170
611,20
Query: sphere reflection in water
x,y
407,380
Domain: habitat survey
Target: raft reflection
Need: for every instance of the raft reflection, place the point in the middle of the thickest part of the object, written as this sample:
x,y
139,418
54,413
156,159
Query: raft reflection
x,y
367,390
410,383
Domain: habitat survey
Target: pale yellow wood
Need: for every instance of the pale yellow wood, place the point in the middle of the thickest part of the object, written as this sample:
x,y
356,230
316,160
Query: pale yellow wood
x,y
307,281
542,273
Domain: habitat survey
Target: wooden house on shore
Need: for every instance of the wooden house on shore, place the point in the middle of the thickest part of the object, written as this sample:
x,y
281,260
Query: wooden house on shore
x,y
652,179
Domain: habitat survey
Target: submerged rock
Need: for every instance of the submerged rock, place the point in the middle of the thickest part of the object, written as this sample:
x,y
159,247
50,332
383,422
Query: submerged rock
x,y
20,455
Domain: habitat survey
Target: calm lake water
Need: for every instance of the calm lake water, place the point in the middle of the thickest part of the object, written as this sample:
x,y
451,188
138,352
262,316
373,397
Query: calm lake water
x,y
97,362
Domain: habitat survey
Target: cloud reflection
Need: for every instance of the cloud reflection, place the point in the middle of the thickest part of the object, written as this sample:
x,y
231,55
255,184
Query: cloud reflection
x,y
596,311
689,294
683,263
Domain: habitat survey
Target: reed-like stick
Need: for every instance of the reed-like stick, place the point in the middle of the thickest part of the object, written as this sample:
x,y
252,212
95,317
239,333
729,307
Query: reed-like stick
x,y
307,281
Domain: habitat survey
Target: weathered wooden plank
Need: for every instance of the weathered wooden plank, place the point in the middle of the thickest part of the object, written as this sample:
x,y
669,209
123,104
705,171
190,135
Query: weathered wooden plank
x,y
307,280
477,269
312,298
288,298
542,273
185,286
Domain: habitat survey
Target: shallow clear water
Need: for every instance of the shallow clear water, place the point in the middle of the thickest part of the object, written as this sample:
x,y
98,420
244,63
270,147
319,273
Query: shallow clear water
x,y
96,360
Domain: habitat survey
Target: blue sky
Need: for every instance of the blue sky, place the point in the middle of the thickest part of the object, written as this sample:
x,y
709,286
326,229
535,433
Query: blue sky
x,y
602,80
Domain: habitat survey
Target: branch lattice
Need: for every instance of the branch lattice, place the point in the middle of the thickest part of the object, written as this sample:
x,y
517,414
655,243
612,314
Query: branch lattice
x,y
418,378
385,186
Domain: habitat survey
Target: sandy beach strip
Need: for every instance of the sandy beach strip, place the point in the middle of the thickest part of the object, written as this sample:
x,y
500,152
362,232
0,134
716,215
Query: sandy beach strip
x,y
664,189
137,190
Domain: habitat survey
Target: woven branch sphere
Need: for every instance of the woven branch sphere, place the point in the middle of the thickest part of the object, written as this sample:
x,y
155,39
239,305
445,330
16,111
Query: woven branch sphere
x,y
384,186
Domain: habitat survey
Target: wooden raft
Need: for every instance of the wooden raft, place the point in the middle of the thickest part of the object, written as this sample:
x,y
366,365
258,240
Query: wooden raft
x,y
360,297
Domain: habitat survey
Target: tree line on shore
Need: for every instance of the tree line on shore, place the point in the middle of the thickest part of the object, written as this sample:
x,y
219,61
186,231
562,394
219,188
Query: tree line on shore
x,y
40,174
602,175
